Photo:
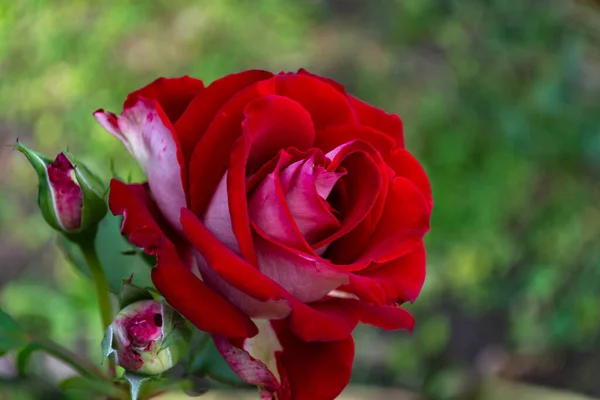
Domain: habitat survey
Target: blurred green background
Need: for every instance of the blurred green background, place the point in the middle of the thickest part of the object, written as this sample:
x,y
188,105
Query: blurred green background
x,y
501,104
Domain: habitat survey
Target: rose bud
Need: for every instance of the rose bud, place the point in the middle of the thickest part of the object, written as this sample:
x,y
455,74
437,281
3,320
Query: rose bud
x,y
146,337
70,196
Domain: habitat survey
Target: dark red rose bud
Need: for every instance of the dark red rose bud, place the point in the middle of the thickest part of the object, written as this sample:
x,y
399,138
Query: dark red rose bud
x,y
70,197
146,337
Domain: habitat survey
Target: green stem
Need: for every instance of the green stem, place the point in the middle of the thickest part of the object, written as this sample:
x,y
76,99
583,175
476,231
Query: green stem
x,y
88,249
102,291
81,365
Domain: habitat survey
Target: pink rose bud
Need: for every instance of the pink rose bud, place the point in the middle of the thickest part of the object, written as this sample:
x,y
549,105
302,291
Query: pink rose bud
x,y
145,337
70,196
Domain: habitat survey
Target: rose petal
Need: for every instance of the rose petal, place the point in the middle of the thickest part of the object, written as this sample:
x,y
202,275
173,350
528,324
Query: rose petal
x,y
212,153
331,137
255,361
366,114
173,94
345,249
143,220
251,370
405,164
323,321
287,173
388,318
204,107
308,208
265,346
227,264
274,123
271,123
286,368
314,371
404,222
325,104
336,318
269,213
400,219
337,86
147,133
306,277
359,188
203,307
67,196
398,280
401,162
218,219
326,180
270,309
237,200
283,158
379,119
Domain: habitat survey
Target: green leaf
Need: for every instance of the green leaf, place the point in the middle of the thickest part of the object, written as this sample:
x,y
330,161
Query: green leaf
x,y
131,293
94,386
163,385
12,335
148,259
118,257
207,361
137,383
23,357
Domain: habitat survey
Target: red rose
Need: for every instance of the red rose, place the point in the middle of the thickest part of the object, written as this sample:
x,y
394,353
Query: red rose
x,y
295,203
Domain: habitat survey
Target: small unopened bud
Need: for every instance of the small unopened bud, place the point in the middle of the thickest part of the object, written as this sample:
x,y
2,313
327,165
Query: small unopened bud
x,y
69,195
146,337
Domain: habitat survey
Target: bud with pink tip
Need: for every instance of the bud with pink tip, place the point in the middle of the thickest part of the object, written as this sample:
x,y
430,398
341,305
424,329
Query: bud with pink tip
x,y
70,196
145,337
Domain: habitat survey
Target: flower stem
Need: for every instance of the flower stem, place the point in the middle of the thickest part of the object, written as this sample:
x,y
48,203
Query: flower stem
x,y
102,292
79,364
90,255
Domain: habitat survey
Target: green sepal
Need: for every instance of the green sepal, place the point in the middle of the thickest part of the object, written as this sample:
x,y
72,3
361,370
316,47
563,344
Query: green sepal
x,y
40,164
107,343
177,334
131,293
137,383
94,191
